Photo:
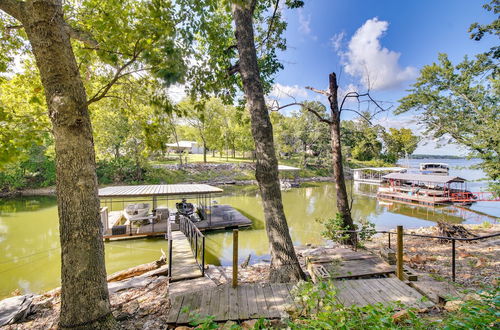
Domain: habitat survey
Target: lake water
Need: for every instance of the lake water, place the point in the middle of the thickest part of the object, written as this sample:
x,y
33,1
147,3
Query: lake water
x,y
29,237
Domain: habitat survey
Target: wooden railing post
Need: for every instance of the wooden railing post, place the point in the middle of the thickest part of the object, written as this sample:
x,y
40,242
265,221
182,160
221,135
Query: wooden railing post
x,y
235,258
399,253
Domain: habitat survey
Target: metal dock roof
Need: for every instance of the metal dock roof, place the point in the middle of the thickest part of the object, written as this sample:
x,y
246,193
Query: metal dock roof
x,y
158,190
424,177
380,169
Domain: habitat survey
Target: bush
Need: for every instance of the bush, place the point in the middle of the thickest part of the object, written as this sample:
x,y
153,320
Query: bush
x,y
117,170
320,309
336,231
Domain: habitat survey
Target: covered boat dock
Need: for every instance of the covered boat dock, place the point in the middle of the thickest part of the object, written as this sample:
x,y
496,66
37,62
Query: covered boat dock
x,y
374,174
421,188
163,198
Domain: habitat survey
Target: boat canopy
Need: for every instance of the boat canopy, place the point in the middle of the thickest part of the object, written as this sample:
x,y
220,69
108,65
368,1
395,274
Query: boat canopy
x,y
158,190
381,169
423,178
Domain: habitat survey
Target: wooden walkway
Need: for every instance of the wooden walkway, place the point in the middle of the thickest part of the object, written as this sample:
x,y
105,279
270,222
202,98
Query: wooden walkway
x,y
379,290
341,263
247,301
272,300
184,265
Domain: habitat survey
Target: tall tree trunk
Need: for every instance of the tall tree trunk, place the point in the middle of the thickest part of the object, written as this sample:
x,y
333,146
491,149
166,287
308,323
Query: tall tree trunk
x,y
285,266
84,294
204,151
338,169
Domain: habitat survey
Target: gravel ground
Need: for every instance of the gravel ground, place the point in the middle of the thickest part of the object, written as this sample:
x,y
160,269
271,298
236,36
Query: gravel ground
x,y
477,263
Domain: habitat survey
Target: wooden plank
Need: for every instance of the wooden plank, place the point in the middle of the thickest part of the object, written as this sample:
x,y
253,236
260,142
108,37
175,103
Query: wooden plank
x,y
214,302
243,306
344,296
261,301
185,311
205,303
253,309
415,297
233,304
271,301
173,313
392,295
373,290
358,298
223,311
281,296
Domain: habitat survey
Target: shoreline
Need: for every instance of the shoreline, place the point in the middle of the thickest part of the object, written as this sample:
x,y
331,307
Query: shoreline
x,y
51,191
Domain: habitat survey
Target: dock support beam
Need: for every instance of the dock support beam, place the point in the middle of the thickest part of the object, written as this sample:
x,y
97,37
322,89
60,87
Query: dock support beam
x,y
235,258
399,253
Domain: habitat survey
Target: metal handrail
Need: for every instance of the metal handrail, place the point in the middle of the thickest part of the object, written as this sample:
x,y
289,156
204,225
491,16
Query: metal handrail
x,y
452,239
194,235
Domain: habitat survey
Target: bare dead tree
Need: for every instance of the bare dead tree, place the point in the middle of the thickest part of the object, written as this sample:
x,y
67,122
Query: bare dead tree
x,y
344,207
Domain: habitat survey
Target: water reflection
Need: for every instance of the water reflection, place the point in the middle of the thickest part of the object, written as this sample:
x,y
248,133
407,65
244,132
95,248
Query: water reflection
x,y
29,232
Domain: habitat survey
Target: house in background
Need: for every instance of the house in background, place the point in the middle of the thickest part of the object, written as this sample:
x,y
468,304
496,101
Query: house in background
x,y
185,146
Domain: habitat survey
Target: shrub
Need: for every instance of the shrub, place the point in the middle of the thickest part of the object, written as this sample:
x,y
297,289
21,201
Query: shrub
x,y
336,231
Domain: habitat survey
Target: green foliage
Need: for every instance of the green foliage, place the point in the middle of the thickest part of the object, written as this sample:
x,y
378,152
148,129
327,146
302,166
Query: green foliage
x,y
322,310
35,170
482,313
335,229
361,140
399,143
303,135
459,103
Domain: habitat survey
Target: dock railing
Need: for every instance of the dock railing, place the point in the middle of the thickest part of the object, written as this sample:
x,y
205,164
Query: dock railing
x,y
196,240
452,240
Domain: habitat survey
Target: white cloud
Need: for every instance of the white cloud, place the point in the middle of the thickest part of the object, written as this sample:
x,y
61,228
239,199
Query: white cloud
x,y
280,91
376,66
305,25
337,40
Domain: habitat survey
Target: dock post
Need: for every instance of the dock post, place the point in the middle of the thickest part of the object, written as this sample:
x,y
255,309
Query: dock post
x,y
235,258
453,266
399,253
203,256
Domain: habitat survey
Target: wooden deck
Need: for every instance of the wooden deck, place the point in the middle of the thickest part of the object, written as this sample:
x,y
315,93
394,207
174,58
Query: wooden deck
x,y
247,301
184,265
343,263
272,300
370,291
223,217
417,199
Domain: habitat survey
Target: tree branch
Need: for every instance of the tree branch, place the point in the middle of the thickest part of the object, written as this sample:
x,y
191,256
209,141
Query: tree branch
x,y
12,7
233,69
271,22
118,74
319,91
80,35
317,114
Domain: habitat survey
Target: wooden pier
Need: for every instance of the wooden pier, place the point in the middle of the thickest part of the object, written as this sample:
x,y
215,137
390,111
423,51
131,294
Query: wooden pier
x,y
215,217
246,301
184,265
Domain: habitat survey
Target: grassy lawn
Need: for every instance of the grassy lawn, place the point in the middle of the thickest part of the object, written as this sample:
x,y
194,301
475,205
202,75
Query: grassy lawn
x,y
198,158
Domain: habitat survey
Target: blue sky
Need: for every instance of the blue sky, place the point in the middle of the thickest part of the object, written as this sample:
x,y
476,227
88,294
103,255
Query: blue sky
x,y
391,40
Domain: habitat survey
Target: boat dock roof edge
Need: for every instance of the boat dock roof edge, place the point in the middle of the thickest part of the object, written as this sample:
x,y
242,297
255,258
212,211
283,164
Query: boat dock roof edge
x,y
287,168
380,169
158,190
424,177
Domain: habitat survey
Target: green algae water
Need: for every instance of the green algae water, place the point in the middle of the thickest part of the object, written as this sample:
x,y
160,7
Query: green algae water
x,y
29,233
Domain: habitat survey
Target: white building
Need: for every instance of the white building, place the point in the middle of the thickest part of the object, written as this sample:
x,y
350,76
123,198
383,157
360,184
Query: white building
x,y
188,146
